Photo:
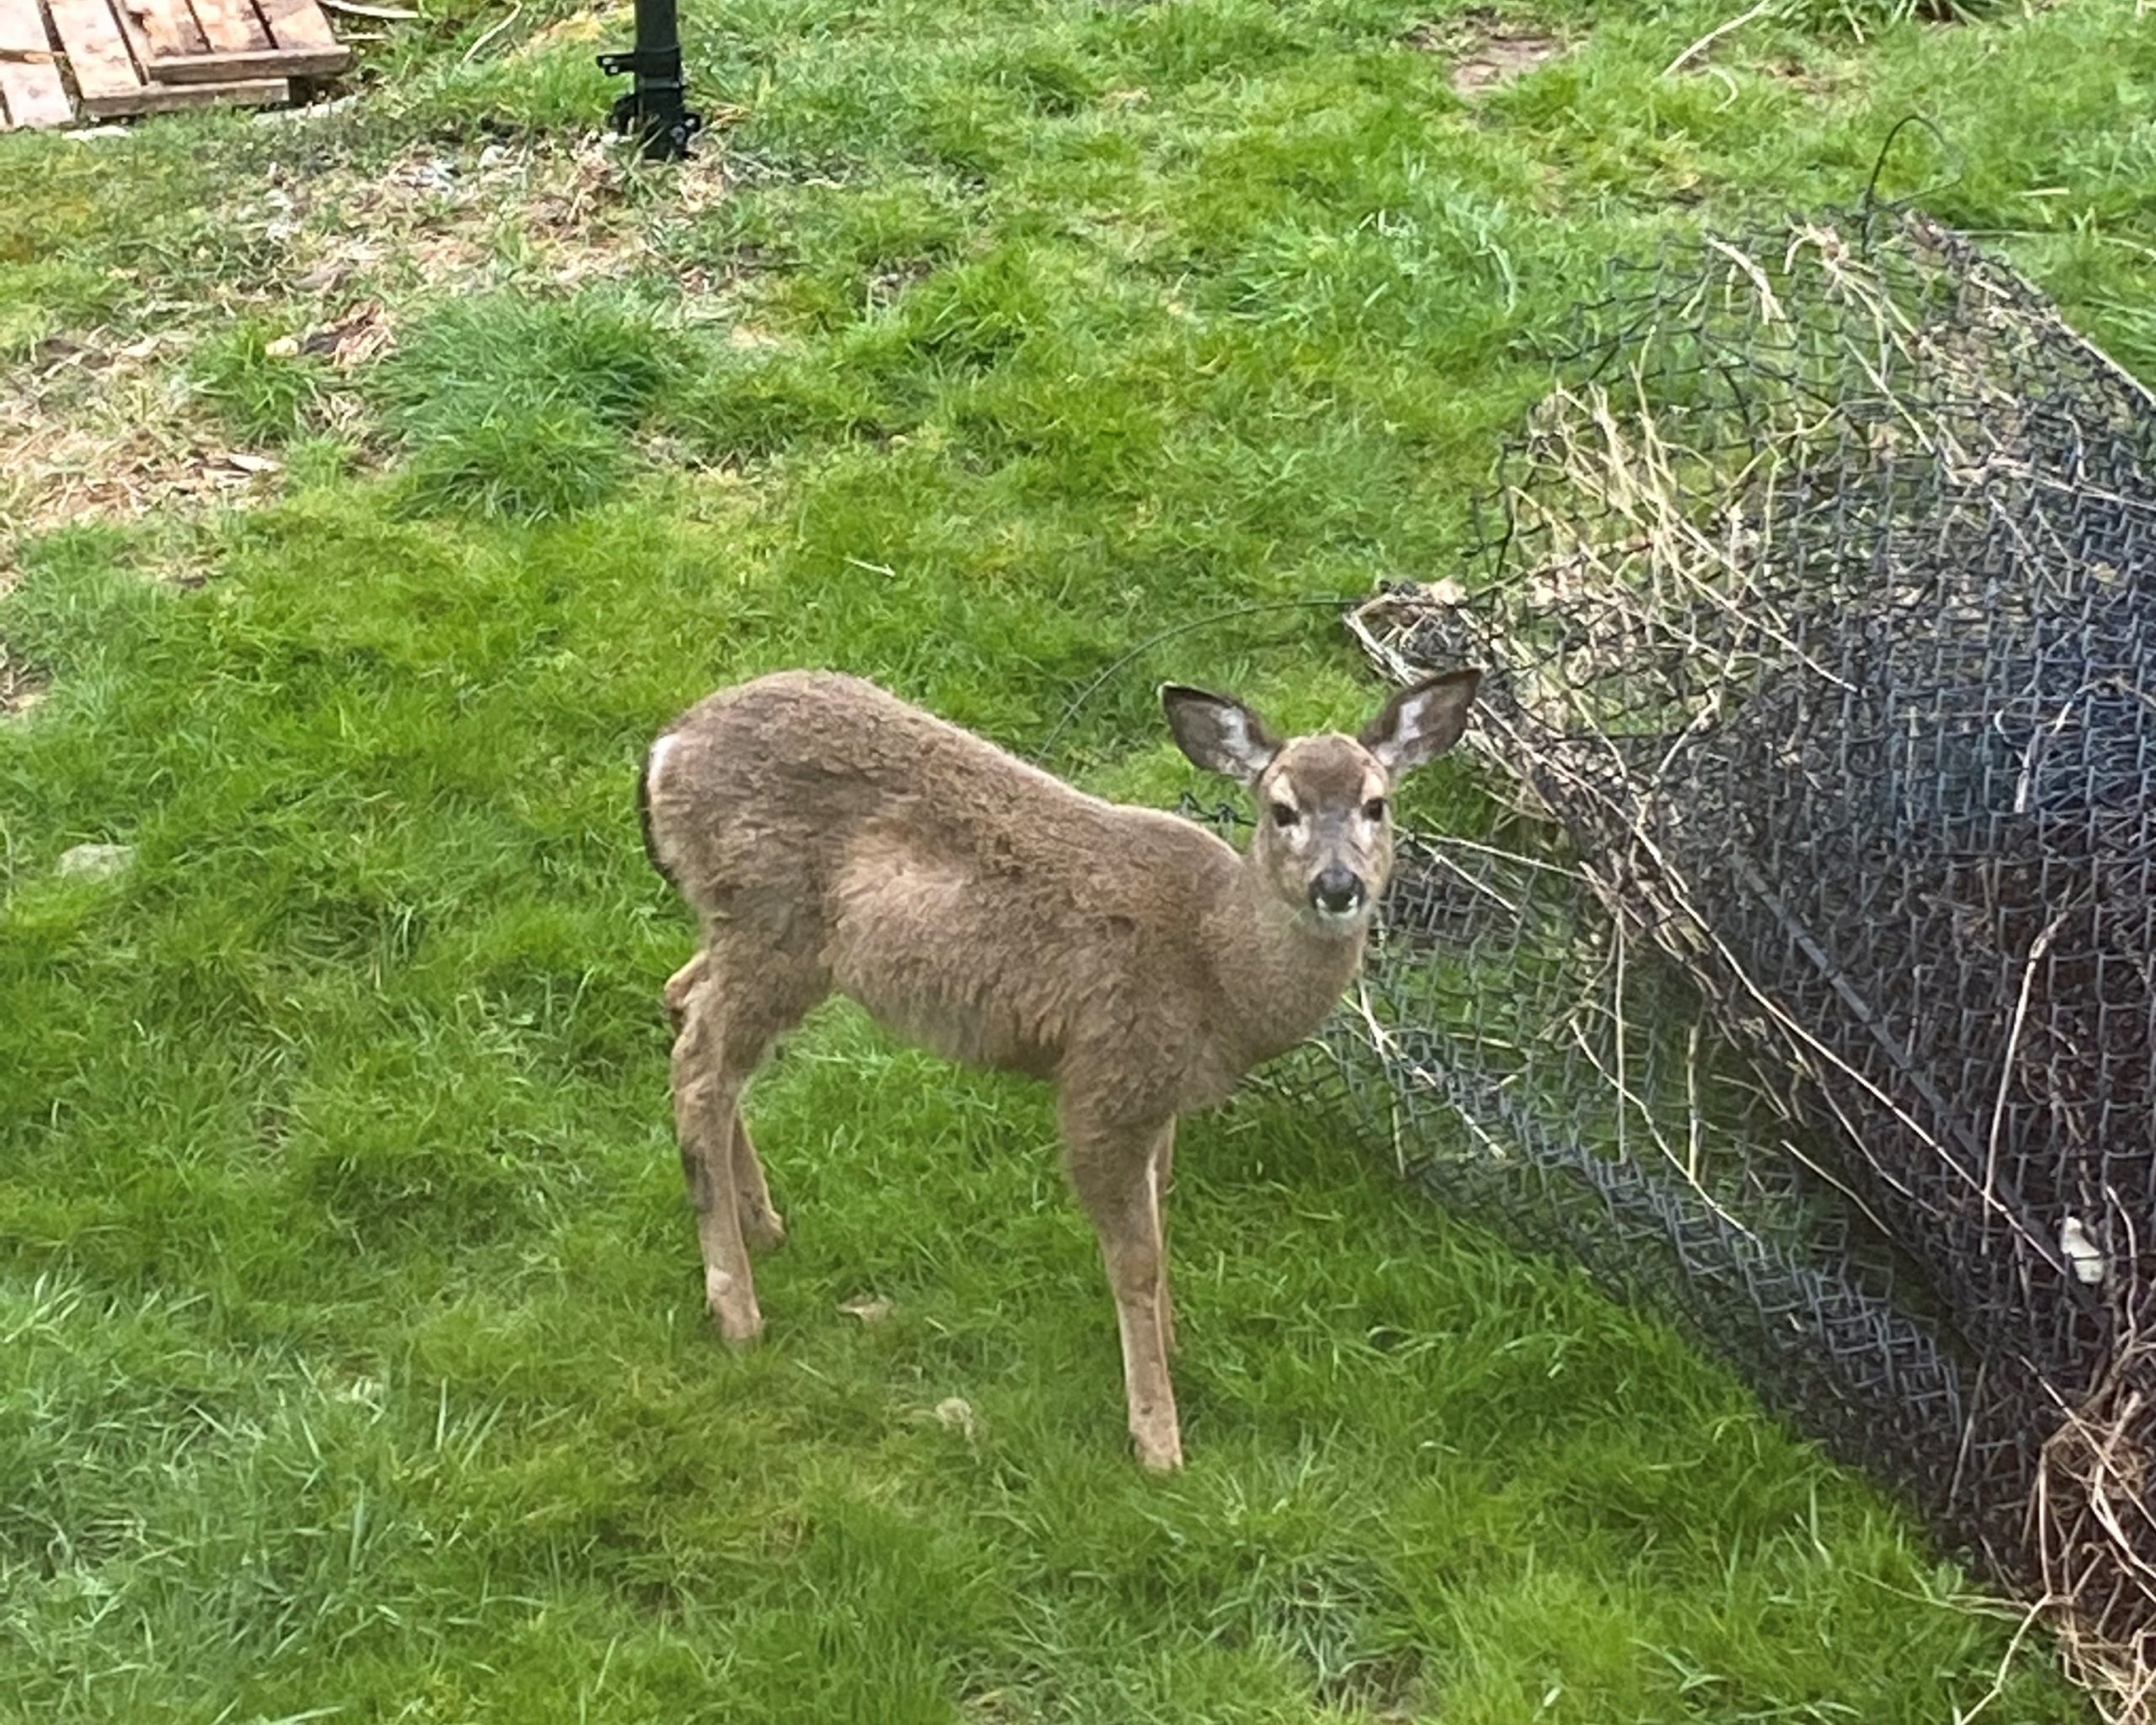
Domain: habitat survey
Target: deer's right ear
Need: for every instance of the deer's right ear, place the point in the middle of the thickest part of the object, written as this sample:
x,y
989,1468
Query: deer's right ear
x,y
1420,723
1217,733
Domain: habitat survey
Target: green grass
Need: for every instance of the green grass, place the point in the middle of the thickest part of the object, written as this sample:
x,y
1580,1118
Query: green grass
x,y
518,408
351,1360
259,394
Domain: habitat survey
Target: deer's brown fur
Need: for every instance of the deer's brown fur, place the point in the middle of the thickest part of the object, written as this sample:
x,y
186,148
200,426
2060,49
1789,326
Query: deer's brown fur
x,y
829,836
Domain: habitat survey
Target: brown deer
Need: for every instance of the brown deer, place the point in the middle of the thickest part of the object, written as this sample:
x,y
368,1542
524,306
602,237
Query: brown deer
x,y
829,836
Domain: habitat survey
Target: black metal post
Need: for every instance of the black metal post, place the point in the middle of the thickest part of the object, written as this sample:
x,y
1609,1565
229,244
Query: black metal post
x,y
652,111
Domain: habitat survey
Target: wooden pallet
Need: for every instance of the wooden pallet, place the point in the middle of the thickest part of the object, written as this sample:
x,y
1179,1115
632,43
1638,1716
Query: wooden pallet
x,y
146,56
31,90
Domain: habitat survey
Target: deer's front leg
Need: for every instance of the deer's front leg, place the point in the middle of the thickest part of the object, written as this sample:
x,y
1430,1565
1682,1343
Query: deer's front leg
x,y
1115,1170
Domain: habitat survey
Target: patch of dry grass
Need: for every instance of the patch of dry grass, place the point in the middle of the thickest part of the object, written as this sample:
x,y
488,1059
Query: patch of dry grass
x,y
103,426
92,433
1487,50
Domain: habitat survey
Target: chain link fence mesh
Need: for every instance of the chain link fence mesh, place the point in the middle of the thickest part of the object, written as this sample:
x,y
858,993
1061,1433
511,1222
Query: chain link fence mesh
x,y
1810,999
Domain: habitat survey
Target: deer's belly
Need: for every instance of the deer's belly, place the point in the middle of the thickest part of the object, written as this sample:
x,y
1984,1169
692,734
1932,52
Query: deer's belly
x,y
960,1031
970,971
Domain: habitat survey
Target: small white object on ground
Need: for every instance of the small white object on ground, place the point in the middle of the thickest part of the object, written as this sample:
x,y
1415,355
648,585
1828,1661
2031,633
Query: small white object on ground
x,y
95,862
956,1413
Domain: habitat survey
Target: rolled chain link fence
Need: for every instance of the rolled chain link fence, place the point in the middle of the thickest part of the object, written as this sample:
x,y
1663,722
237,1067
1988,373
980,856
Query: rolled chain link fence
x,y
1810,998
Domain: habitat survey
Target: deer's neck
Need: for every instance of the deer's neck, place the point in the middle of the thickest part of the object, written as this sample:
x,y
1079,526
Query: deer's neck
x,y
1280,977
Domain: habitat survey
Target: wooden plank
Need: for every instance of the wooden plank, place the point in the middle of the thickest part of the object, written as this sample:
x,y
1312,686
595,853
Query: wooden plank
x,y
163,98
97,54
131,33
231,26
165,27
32,96
104,44
300,24
280,62
31,93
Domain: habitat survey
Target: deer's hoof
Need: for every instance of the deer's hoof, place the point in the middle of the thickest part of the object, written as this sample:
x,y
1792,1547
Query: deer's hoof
x,y
733,1310
740,1332
762,1228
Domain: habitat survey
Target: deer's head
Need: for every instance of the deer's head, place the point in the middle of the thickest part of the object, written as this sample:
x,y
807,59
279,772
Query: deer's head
x,y
1324,839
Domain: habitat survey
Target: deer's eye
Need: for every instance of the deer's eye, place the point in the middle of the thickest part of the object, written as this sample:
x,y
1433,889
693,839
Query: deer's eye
x,y
1374,810
1285,814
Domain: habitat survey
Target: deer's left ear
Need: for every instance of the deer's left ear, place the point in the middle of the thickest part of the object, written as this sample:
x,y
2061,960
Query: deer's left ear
x,y
1422,721
1217,733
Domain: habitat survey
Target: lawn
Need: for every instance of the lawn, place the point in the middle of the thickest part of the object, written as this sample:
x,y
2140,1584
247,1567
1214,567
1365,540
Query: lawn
x,y
375,483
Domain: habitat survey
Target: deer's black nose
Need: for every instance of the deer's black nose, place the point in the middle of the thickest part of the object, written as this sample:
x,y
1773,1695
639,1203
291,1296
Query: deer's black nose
x,y
1337,890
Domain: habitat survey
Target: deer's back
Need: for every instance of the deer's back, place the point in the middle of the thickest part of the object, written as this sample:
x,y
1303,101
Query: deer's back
x,y
973,903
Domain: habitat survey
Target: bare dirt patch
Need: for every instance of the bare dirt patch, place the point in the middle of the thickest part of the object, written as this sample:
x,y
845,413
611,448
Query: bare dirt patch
x,y
1486,51
552,212
1812,80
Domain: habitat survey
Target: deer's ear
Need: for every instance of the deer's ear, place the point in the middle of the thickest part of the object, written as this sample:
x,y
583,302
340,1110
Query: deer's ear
x,y
1422,721
1219,735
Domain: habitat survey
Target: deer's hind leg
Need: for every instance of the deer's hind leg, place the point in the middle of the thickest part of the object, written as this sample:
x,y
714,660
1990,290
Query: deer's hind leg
x,y
726,1015
761,1224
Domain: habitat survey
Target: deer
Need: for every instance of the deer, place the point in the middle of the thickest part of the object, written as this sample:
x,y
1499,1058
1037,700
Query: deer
x,y
831,837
